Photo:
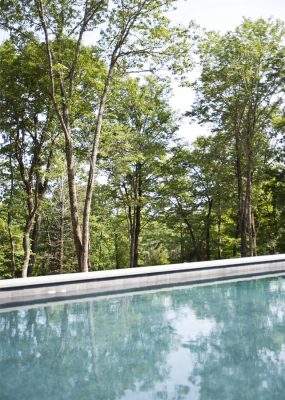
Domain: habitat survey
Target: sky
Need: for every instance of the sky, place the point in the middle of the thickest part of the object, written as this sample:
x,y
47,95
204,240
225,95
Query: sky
x,y
220,15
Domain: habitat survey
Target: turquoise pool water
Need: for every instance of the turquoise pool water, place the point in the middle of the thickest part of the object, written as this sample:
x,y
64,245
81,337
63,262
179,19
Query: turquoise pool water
x,y
216,342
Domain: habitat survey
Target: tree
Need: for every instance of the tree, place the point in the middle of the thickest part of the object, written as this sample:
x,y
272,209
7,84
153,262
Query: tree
x,y
29,133
239,91
142,127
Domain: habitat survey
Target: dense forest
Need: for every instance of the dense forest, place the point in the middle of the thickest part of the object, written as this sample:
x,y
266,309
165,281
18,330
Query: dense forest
x,y
94,174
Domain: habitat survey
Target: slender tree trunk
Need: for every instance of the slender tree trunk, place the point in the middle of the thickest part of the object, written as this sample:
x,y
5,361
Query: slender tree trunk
x,y
9,221
136,225
34,243
132,238
77,237
244,222
91,175
208,229
247,212
219,241
137,234
236,249
248,194
27,245
134,253
12,244
61,241
61,228
242,208
253,234
100,249
247,209
219,247
181,244
130,219
116,245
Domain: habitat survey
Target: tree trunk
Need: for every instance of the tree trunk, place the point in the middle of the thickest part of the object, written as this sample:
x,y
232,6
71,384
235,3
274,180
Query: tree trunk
x,y
91,175
242,210
208,229
219,241
12,244
253,233
9,220
34,241
116,245
182,257
132,241
248,194
61,228
136,225
236,248
27,244
134,247
77,237
252,236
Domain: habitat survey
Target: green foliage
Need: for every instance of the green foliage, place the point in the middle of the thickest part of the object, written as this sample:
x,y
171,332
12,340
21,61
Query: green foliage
x,y
183,200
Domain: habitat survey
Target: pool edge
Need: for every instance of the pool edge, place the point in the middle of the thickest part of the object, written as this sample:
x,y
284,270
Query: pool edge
x,y
43,289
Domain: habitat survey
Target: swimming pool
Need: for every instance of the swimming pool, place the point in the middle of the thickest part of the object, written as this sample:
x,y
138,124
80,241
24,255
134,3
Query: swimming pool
x,y
218,341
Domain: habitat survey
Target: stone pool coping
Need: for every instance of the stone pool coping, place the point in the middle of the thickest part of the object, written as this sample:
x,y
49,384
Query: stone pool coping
x,y
54,287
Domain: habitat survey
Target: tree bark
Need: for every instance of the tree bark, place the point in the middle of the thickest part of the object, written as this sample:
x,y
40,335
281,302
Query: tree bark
x,y
208,229
61,229
249,178
253,234
242,210
219,241
182,257
116,245
9,221
92,170
27,244
34,243
12,244
136,224
77,236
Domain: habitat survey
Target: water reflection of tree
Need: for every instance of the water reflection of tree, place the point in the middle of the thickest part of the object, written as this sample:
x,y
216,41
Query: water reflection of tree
x,y
244,357
103,349
94,350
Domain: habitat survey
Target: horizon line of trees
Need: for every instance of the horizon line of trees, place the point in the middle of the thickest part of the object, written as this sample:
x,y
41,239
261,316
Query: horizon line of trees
x,y
70,113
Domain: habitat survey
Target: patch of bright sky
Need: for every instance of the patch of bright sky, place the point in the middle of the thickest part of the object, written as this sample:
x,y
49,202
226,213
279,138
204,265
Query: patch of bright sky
x,y
220,15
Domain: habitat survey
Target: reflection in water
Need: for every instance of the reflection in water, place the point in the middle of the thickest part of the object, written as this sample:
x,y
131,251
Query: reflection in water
x,y
222,342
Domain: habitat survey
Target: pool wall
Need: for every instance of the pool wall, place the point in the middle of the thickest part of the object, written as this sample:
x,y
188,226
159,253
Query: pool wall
x,y
52,287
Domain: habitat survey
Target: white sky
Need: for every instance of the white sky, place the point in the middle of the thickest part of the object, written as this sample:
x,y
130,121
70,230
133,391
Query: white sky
x,y
221,15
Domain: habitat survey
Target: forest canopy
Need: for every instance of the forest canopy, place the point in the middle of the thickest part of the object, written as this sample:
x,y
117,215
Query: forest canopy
x,y
93,173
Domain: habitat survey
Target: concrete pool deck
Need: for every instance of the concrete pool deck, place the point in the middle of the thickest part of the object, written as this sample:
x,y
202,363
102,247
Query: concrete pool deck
x,y
54,287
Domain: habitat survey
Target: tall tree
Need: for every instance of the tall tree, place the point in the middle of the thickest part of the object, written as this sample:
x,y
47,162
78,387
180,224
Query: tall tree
x,y
28,131
142,125
239,91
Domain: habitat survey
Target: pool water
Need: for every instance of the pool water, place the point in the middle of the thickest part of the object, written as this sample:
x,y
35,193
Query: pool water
x,y
213,342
